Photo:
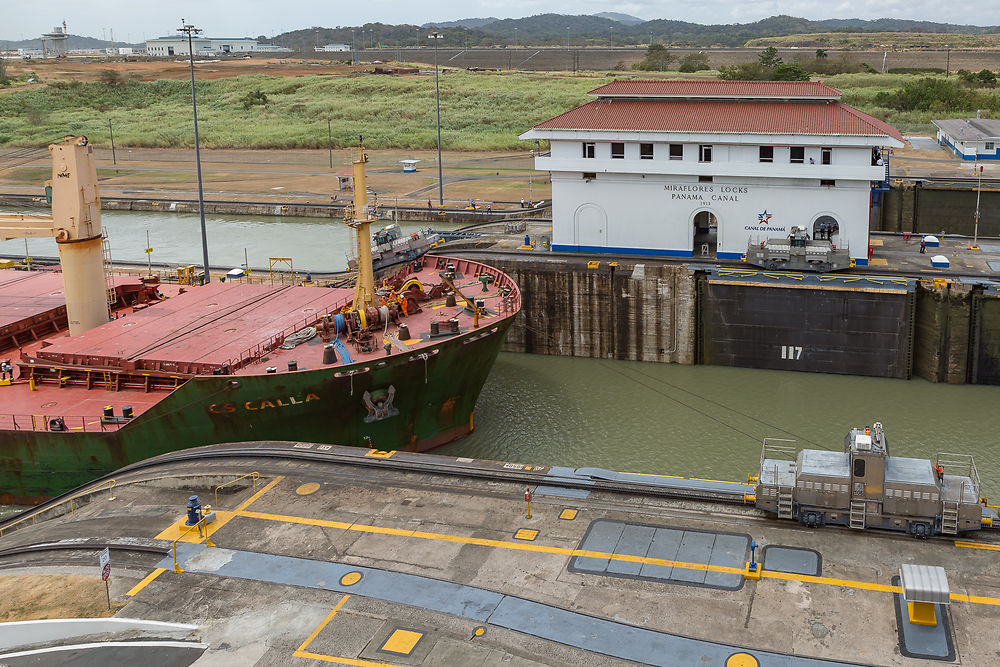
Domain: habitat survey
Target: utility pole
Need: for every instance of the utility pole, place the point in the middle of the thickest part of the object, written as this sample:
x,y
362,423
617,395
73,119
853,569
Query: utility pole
x,y
329,141
114,158
437,96
979,190
190,31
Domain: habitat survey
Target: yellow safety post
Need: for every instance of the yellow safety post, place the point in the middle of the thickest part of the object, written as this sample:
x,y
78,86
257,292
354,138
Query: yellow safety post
x,y
527,499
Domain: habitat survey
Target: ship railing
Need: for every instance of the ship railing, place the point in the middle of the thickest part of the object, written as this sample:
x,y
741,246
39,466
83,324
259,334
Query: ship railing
x,y
775,452
13,422
260,349
962,465
73,502
202,527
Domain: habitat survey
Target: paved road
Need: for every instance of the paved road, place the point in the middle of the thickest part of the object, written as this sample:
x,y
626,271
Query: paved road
x,y
146,653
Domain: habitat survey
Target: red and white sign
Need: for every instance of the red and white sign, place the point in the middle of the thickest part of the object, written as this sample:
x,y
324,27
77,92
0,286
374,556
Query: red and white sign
x,y
527,494
105,561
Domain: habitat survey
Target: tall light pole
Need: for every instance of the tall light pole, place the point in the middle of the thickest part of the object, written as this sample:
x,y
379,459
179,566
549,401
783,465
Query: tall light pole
x,y
437,96
979,190
515,38
190,31
567,37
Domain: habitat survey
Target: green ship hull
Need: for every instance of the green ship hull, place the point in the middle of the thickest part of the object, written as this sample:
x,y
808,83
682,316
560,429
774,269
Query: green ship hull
x,y
433,392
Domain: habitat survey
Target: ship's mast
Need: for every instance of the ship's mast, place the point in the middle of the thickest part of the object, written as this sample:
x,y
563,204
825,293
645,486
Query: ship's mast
x,y
364,288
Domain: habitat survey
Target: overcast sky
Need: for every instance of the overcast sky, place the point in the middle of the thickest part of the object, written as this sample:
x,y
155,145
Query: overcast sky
x,y
135,20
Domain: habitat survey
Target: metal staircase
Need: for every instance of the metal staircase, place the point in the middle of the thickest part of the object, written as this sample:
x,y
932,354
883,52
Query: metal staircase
x,y
784,502
857,513
949,518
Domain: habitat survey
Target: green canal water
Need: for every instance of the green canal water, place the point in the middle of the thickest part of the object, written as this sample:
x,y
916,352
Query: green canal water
x,y
709,421
315,244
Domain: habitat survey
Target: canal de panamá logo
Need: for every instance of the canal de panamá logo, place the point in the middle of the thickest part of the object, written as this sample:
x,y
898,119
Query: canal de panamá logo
x,y
764,218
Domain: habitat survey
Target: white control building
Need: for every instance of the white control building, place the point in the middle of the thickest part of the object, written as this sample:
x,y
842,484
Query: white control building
x,y
702,168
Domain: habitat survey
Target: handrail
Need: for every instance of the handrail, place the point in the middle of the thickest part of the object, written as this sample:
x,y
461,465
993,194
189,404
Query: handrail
x,y
254,477
208,542
34,515
41,423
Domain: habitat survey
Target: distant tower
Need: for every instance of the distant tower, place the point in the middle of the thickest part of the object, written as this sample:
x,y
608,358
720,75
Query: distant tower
x,y
55,43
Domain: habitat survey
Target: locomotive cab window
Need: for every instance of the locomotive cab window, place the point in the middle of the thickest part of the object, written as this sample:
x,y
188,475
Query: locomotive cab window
x,y
859,467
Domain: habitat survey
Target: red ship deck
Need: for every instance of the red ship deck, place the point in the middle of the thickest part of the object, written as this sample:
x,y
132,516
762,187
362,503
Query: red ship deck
x,y
199,330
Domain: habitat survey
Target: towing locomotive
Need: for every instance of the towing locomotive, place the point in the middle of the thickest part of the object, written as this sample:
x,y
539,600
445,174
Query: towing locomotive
x,y
864,487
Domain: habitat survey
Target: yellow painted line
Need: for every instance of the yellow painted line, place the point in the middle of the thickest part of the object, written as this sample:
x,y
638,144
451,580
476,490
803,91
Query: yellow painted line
x,y
252,499
343,661
319,628
302,653
696,479
875,242
878,261
562,551
178,528
973,545
145,582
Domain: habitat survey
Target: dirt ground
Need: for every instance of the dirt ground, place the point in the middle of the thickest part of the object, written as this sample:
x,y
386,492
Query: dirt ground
x,y
150,70
299,176
39,596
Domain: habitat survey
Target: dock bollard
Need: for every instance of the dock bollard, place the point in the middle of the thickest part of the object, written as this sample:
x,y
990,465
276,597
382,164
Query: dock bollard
x,y
527,499
753,567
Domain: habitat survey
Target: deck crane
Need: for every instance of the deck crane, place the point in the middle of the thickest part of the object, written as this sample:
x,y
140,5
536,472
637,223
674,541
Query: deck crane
x,y
75,224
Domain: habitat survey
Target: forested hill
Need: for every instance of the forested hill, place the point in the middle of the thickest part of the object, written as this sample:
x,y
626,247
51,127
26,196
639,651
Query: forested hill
x,y
558,29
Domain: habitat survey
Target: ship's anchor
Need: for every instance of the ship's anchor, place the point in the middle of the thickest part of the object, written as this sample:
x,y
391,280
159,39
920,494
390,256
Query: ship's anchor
x,y
380,407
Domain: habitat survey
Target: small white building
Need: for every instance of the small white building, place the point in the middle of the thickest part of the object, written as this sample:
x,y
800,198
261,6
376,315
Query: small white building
x,y
970,138
333,47
203,46
686,168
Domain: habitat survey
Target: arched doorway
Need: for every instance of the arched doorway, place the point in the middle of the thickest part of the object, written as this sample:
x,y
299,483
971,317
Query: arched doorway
x,y
590,224
706,234
826,228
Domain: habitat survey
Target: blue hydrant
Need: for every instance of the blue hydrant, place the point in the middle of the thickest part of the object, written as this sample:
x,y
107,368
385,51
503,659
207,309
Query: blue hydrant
x,y
193,510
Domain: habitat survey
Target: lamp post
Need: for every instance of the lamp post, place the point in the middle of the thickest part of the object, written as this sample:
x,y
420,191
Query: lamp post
x,y
979,190
947,66
354,56
190,31
515,38
437,97
567,38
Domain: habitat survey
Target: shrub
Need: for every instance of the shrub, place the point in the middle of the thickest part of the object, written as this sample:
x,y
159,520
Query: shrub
x,y
789,72
109,77
254,98
694,62
657,59
930,94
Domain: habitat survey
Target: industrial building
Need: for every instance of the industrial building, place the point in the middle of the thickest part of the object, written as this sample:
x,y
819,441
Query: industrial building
x,y
703,168
970,138
333,47
208,46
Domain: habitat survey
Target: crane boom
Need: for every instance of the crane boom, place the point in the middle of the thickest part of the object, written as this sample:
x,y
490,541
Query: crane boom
x,y
75,224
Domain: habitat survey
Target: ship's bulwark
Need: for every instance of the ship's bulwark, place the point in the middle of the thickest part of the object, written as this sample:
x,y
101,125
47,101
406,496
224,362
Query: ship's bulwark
x,y
419,403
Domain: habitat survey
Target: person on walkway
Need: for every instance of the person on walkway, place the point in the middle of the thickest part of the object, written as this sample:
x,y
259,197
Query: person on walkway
x,y
522,202
923,246
489,207
428,203
5,368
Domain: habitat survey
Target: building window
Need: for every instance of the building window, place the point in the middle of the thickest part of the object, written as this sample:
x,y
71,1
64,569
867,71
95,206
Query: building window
x,y
588,149
767,153
797,154
704,179
589,175
826,156
617,150
645,151
704,153
829,182
676,151
989,145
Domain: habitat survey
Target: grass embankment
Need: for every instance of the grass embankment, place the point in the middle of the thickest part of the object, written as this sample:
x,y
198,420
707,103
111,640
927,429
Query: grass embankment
x,y
877,40
860,91
479,111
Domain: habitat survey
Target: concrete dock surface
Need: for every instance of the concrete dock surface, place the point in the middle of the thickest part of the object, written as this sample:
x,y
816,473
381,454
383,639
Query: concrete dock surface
x,y
332,563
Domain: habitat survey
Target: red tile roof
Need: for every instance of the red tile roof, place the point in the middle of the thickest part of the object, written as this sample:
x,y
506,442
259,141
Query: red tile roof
x,y
721,116
717,88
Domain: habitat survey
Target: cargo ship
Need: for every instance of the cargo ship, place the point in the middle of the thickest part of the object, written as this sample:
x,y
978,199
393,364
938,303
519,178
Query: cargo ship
x,y
107,372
